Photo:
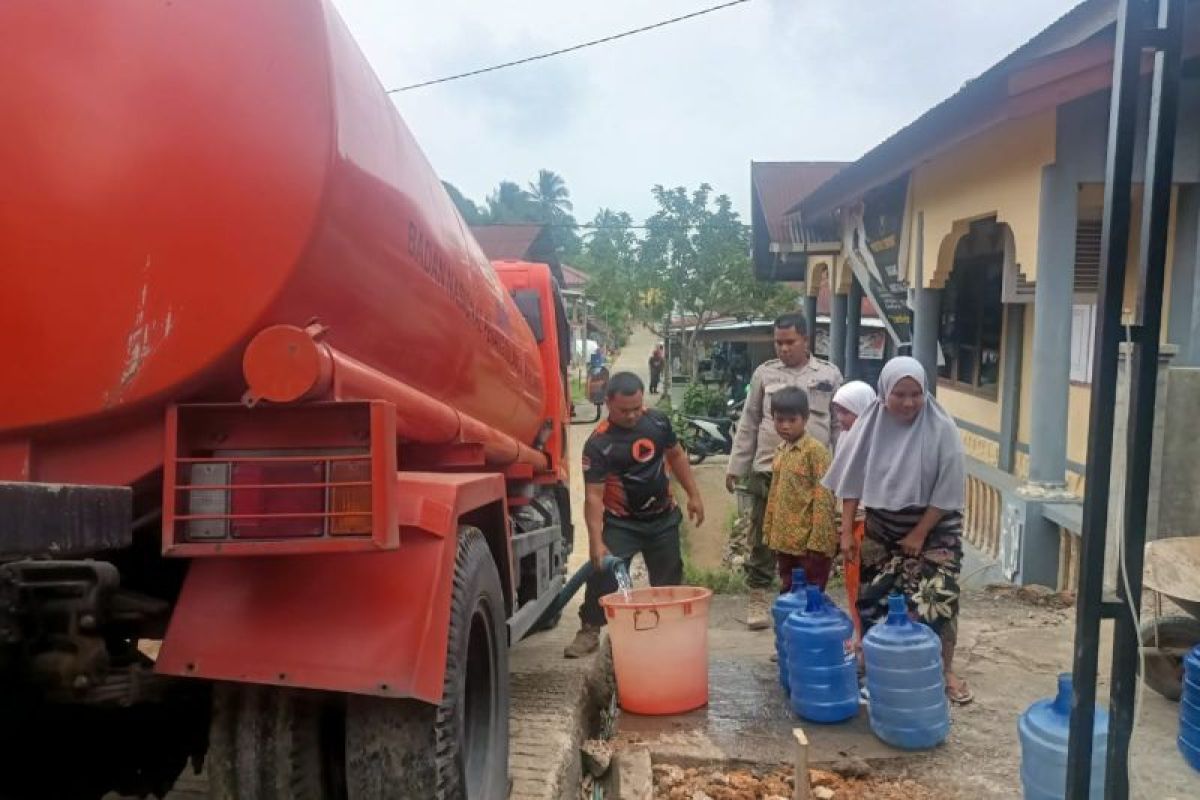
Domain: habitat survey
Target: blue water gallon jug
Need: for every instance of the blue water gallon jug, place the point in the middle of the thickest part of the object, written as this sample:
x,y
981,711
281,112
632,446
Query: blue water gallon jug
x,y
822,673
1044,729
784,605
908,704
1189,709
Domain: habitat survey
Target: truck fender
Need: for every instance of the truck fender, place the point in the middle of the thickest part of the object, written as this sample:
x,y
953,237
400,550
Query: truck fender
x,y
364,623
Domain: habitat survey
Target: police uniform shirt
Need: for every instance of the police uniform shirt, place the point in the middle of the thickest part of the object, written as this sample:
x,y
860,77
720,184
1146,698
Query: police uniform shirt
x,y
756,441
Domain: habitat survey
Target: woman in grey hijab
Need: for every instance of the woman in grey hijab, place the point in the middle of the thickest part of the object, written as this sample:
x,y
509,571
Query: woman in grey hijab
x,y
903,462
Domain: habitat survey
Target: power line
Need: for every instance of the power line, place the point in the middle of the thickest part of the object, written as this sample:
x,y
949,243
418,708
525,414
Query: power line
x,y
570,49
592,227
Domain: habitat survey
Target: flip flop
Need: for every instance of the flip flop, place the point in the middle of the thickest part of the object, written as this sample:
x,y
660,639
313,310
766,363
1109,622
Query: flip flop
x,y
961,696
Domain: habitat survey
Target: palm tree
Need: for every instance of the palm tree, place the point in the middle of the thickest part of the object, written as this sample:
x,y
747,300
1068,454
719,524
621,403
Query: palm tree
x,y
550,194
465,205
511,203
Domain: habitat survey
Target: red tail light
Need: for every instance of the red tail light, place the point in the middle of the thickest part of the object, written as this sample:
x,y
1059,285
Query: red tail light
x,y
299,479
276,496
273,500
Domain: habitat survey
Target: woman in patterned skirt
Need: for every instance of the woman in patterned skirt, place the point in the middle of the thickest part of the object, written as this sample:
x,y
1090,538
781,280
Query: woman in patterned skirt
x,y
903,462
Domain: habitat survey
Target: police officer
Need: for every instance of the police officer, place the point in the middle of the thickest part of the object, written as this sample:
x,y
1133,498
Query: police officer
x,y
756,441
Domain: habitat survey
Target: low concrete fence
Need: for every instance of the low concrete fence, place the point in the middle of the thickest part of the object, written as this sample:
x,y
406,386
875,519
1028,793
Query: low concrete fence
x,y
998,518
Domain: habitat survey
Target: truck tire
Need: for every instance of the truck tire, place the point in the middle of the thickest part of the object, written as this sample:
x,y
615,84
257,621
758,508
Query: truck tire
x,y
1164,672
458,749
267,743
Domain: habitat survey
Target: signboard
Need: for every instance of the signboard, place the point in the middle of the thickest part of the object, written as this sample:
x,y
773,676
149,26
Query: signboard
x,y
871,344
871,235
821,341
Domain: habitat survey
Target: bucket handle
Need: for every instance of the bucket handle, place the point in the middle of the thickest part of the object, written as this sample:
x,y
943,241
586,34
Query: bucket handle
x,y
637,626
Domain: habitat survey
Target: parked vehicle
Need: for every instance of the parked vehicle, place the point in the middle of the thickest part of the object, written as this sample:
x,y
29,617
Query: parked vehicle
x,y
710,436
282,455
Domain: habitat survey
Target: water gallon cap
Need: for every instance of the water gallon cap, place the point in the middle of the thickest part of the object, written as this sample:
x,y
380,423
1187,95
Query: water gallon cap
x,y
897,609
799,580
1062,701
812,594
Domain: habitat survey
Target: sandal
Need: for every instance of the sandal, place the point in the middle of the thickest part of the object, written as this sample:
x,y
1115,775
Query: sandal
x,y
958,692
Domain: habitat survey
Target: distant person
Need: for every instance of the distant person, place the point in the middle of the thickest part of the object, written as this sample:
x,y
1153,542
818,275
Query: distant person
x,y
903,462
628,503
596,360
799,522
739,376
849,403
657,362
755,444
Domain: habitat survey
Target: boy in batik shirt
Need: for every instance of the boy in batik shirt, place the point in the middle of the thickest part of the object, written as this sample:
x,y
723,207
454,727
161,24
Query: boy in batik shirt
x,y
799,524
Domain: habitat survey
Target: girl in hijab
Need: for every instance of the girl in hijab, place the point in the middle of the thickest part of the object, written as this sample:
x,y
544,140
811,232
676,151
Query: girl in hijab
x,y
903,462
850,402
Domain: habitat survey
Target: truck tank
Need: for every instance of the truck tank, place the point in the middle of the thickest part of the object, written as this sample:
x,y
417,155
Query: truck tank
x,y
180,176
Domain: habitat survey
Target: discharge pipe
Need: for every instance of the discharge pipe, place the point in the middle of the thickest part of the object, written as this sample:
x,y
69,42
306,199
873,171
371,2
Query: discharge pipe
x,y
288,364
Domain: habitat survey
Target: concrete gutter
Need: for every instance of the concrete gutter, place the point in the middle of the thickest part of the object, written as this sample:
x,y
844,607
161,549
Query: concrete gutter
x,y
556,704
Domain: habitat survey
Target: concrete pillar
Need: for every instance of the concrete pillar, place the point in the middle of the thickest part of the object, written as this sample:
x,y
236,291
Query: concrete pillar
x,y
1052,334
853,325
1120,457
810,313
927,313
837,330
1183,319
1010,383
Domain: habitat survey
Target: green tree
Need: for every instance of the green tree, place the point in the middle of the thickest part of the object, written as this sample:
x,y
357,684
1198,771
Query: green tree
x,y
695,261
547,203
550,194
609,256
511,204
472,213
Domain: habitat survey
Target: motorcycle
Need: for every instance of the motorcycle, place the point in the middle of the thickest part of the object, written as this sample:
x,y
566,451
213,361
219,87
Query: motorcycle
x,y
711,436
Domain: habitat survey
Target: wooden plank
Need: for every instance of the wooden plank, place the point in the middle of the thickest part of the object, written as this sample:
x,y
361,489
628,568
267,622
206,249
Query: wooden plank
x,y
802,791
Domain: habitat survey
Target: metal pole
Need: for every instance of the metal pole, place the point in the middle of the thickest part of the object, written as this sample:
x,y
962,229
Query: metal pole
x,y
1156,209
1165,36
837,329
1114,247
853,328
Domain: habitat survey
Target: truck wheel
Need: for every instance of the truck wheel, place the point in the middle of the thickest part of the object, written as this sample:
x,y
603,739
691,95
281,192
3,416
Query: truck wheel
x,y
1164,670
458,749
268,743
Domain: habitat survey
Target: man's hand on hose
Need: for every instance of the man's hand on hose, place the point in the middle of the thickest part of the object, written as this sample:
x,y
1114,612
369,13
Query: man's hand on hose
x,y
596,553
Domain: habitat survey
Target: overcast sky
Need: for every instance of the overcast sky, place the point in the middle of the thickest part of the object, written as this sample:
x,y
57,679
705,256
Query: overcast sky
x,y
769,80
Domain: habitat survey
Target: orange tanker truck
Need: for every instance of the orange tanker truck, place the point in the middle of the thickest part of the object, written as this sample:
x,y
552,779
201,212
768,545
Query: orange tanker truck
x,y
282,465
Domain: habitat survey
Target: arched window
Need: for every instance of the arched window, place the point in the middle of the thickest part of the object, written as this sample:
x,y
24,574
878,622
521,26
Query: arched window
x,y
972,321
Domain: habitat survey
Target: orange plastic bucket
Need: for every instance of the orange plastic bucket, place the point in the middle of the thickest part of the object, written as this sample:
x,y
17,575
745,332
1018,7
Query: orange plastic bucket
x,y
660,648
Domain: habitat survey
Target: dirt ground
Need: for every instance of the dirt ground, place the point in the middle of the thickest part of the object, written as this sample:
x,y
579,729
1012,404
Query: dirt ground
x,y
677,783
1012,644
708,549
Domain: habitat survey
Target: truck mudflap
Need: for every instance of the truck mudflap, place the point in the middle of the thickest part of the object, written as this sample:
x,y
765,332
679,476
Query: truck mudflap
x,y
365,623
63,520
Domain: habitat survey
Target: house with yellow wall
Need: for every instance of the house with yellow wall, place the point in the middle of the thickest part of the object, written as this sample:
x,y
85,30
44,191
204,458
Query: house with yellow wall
x,y
976,232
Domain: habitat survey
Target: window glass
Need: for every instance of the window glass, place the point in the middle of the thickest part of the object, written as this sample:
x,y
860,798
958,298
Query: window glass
x,y
972,323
